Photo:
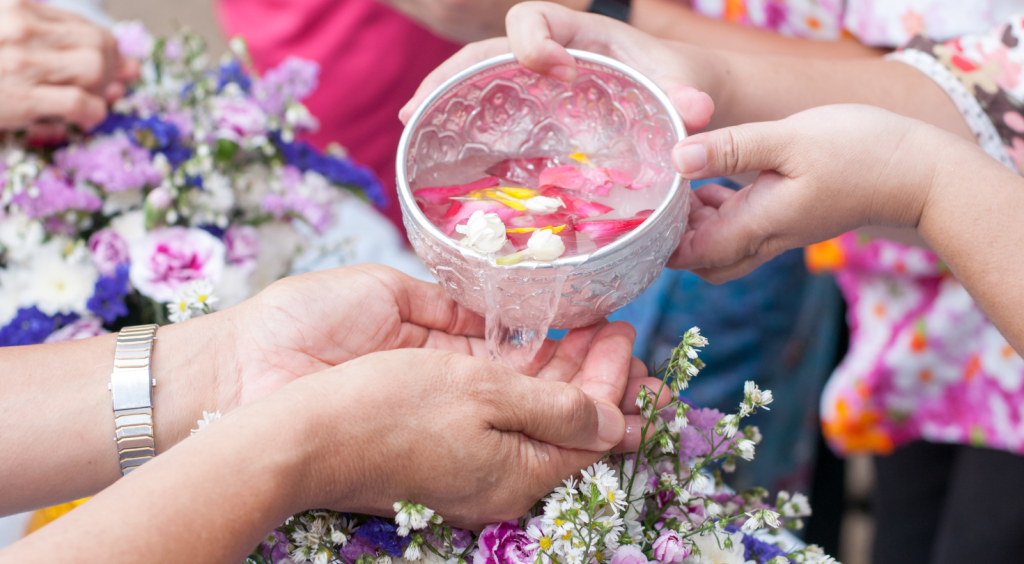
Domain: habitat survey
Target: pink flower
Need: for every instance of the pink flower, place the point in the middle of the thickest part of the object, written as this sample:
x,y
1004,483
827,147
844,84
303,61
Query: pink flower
x,y
81,329
159,199
504,543
628,554
238,118
165,259
243,243
133,41
670,547
108,250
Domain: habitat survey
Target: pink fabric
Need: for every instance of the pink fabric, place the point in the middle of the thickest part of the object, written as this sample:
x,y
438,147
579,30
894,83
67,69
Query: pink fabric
x,y
372,59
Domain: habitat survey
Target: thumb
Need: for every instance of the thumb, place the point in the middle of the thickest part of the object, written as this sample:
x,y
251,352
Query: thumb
x,y
732,150
559,414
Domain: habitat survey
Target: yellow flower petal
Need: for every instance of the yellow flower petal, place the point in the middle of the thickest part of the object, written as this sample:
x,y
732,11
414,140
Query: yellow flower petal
x,y
580,157
531,229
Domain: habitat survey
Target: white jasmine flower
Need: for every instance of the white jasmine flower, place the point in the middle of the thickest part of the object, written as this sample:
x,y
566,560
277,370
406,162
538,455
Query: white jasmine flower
x,y
542,204
545,245
745,448
483,232
208,418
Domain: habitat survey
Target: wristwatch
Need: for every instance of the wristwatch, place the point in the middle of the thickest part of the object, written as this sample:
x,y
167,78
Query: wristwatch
x,y
131,388
616,9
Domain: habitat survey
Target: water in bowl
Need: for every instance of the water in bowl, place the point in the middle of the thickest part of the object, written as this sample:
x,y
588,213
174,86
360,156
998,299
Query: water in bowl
x,y
587,201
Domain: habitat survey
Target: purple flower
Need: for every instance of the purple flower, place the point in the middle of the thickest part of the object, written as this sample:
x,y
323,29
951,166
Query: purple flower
x,y
242,242
308,196
691,442
275,547
232,72
109,250
113,163
292,80
53,194
760,551
31,326
670,547
357,547
628,554
107,300
504,543
341,171
81,329
133,41
383,535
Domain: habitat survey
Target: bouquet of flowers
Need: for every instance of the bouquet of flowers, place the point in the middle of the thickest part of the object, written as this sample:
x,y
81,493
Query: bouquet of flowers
x,y
665,503
194,184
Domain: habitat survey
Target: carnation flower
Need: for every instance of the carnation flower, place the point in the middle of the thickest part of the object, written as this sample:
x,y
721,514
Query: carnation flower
x,y
238,119
165,259
670,547
504,543
109,250
628,554
84,328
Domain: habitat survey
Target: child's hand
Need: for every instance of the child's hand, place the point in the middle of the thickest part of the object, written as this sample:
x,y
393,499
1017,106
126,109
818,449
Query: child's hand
x,y
539,33
826,171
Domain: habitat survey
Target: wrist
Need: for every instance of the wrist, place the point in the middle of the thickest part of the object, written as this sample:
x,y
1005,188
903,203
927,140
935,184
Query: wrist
x,y
195,368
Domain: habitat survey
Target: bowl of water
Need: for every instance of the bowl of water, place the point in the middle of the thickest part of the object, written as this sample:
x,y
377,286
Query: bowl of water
x,y
499,116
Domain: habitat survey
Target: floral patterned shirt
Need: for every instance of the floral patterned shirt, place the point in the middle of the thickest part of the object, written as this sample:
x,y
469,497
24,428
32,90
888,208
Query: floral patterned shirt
x,y
924,361
884,23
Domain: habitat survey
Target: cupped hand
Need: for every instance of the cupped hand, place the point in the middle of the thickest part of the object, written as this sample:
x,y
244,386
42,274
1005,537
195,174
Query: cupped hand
x,y
825,171
304,324
56,68
469,438
539,34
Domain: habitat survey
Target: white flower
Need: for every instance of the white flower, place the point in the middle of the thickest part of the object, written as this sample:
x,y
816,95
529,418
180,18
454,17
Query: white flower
x,y
797,506
60,285
542,204
130,226
411,516
746,449
20,236
761,518
206,420
699,483
545,245
199,293
179,310
413,552
10,294
483,232
712,553
728,426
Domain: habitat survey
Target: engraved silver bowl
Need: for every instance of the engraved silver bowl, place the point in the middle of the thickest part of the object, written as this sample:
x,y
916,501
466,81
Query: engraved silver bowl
x,y
497,109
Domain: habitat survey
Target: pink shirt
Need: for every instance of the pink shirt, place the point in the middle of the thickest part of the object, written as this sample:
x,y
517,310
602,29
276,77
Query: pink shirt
x,y
372,58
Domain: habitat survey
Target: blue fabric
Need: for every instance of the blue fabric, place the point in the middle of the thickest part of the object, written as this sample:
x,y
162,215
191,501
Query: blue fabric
x,y
778,327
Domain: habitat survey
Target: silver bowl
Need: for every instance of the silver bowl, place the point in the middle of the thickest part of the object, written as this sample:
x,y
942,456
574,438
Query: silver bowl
x,y
497,109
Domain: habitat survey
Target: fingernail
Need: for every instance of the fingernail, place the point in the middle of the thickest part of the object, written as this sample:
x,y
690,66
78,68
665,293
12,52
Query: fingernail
x,y
690,159
564,73
610,424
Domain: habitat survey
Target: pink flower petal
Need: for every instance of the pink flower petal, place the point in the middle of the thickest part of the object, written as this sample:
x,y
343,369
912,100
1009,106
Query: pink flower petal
x,y
524,172
577,206
605,231
438,195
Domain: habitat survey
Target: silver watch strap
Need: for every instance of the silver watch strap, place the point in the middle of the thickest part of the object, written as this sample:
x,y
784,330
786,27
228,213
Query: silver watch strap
x,y
131,393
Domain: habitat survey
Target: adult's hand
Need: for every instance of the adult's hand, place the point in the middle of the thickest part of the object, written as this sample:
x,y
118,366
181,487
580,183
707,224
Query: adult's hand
x,y
463,21
469,438
304,324
826,171
56,67
539,34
